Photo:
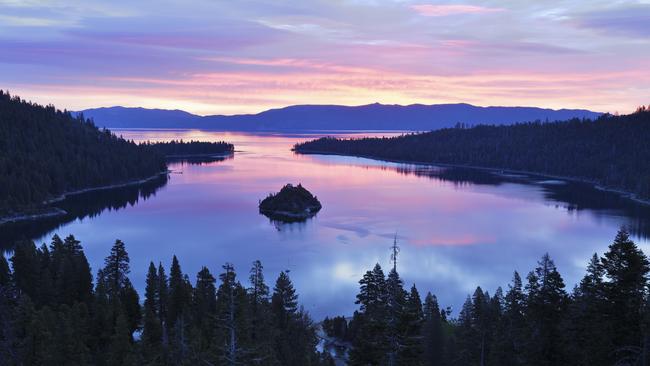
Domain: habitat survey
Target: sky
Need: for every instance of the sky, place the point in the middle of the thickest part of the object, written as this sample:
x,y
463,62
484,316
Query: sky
x,y
246,56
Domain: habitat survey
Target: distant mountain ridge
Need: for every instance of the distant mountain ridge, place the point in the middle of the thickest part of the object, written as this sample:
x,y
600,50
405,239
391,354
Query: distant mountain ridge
x,y
414,117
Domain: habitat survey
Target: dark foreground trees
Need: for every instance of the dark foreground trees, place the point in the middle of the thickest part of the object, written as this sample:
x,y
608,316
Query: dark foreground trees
x,y
51,314
604,321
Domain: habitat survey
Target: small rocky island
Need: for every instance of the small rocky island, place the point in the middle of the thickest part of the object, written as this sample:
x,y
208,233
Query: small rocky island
x,y
291,204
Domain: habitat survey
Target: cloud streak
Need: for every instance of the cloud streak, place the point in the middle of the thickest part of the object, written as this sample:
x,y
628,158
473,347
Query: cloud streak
x,y
431,10
226,57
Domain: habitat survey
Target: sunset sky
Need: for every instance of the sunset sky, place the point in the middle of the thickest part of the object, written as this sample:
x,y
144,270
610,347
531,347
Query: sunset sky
x,y
227,57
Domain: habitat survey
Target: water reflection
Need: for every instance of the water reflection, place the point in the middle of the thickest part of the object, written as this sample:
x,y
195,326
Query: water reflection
x,y
79,207
456,228
200,160
569,195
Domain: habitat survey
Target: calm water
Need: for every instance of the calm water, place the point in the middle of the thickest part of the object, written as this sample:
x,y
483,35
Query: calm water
x,y
456,228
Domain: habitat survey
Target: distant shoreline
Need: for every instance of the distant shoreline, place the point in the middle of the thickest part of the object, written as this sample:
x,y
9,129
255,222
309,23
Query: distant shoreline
x,y
190,156
625,194
43,212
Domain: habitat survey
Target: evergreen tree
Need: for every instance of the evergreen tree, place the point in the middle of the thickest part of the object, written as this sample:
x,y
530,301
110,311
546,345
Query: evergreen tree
x,y
79,279
432,331
546,303
231,303
284,301
179,302
626,269
102,326
121,350
163,297
261,324
295,336
204,309
410,326
514,322
466,335
116,270
370,343
396,300
586,329
152,330
26,270
259,291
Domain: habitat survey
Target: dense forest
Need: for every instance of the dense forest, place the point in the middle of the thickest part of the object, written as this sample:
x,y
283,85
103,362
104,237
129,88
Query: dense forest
x,y
45,152
53,313
611,151
192,148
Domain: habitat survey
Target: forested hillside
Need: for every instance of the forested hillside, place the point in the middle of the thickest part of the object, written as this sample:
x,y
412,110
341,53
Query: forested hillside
x,y
611,151
53,313
45,152
181,148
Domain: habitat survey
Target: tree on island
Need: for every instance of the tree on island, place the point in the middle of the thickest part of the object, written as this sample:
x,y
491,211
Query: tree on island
x,y
292,203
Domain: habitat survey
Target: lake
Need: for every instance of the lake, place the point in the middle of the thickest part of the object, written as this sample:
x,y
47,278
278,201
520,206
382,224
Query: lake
x,y
456,228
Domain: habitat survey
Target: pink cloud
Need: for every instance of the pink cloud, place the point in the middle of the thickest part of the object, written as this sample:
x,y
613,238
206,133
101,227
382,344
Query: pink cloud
x,y
431,10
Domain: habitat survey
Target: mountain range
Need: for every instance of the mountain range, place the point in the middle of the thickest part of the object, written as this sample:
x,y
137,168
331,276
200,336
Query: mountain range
x,y
414,117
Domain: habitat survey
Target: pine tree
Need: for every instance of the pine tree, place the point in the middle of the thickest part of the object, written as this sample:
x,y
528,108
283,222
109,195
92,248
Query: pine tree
x,y
151,290
261,324
514,322
480,324
82,279
498,354
116,269
177,297
152,331
295,336
204,309
410,326
587,332
284,301
432,331
26,270
230,305
370,342
466,335
130,302
259,291
626,268
102,323
179,301
396,300
546,303
121,349
163,298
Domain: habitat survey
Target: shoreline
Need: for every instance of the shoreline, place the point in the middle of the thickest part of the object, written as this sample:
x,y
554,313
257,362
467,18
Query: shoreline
x,y
625,194
190,156
49,212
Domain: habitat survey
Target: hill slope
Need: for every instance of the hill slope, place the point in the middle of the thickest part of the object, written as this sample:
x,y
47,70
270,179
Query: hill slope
x,y
415,117
611,151
45,152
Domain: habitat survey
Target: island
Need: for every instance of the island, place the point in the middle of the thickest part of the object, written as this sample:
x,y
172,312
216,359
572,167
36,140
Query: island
x,y
291,204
